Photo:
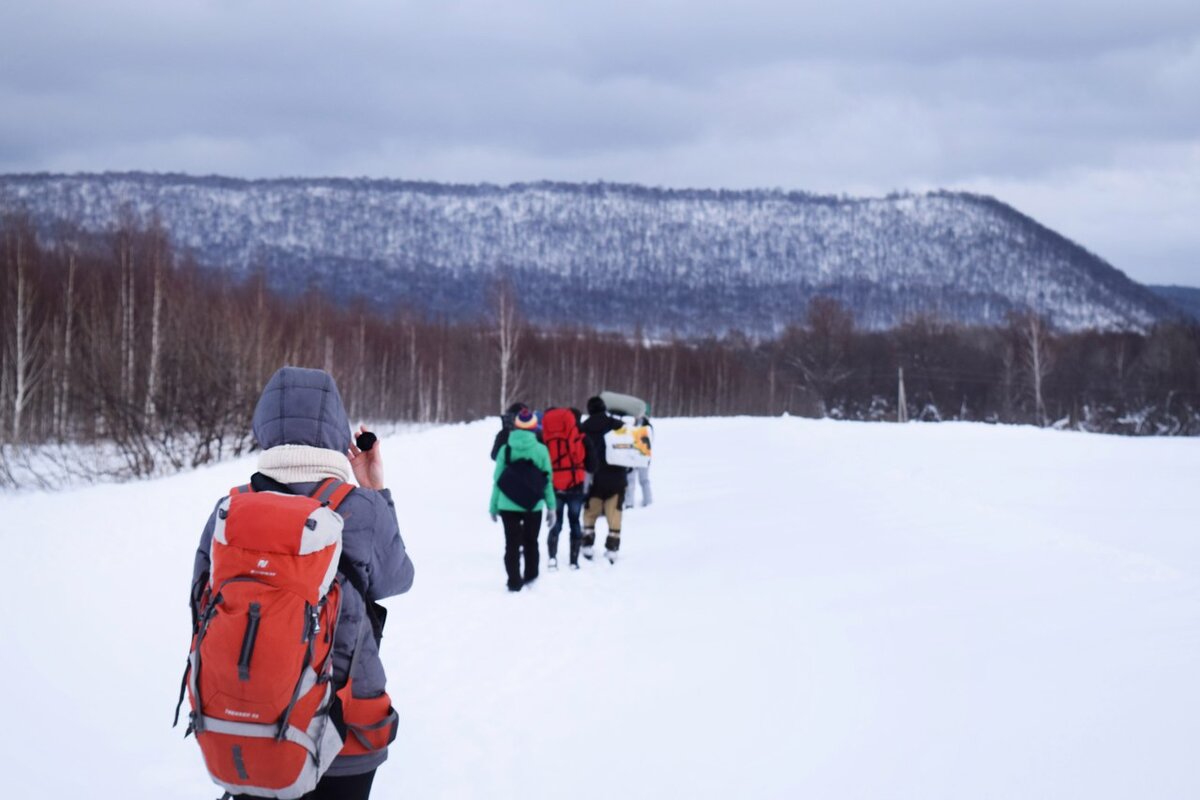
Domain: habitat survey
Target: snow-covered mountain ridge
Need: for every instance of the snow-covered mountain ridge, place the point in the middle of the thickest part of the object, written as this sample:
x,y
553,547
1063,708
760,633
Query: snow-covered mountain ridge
x,y
617,256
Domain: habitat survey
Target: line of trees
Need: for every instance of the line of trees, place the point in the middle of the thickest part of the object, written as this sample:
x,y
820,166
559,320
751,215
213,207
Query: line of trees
x,y
117,339
1024,372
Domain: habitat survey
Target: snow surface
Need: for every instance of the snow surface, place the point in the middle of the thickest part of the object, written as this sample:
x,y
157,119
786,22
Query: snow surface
x,y
810,609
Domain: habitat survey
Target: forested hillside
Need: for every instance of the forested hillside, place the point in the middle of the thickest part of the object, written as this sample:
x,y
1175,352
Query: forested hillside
x,y
614,257
120,342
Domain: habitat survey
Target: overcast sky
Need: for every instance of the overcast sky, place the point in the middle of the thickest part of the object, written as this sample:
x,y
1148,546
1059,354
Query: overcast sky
x,y
1085,115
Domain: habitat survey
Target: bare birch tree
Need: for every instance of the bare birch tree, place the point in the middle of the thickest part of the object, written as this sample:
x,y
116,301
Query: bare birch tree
x,y
126,299
29,362
158,257
1033,332
64,409
509,331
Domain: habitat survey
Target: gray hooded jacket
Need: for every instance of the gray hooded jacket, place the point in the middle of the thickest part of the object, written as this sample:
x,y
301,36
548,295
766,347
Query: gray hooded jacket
x,y
301,413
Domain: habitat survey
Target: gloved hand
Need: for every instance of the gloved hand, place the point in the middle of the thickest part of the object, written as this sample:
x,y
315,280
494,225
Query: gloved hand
x,y
551,517
495,517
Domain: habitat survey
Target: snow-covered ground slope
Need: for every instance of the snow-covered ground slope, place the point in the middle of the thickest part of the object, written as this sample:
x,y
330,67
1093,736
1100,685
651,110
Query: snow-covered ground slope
x,y
810,609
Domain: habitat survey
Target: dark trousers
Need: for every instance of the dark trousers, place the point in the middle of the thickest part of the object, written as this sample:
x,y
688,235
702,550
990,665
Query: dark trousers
x,y
569,506
336,787
521,534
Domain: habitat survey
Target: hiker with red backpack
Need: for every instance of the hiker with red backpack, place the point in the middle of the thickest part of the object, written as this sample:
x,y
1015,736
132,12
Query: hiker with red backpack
x,y
287,689
522,486
571,459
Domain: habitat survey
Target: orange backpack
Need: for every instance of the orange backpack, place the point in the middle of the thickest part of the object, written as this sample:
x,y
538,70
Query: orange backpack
x,y
259,675
565,443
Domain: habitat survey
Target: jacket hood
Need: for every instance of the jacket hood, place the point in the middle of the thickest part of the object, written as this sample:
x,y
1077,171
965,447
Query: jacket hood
x,y
522,444
302,407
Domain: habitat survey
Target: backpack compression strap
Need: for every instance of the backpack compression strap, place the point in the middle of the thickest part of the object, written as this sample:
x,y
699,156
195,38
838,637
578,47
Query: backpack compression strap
x,y
332,492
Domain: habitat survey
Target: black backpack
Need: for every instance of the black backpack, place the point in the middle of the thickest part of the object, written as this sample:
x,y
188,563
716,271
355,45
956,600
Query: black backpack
x,y
522,481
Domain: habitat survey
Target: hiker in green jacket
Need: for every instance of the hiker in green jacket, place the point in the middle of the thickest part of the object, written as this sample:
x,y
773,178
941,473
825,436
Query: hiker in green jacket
x,y
523,469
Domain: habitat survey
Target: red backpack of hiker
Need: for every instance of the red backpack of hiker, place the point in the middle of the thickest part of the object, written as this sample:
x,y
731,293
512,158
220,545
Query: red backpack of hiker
x,y
260,671
565,443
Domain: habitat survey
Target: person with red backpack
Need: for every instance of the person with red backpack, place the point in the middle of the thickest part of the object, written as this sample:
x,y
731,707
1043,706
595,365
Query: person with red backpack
x,y
571,459
287,690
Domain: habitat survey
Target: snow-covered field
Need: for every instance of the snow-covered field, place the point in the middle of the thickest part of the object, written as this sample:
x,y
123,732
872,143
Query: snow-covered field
x,y
810,609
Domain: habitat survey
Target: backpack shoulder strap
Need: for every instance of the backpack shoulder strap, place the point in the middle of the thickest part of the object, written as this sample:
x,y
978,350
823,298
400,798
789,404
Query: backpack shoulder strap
x,y
245,488
332,492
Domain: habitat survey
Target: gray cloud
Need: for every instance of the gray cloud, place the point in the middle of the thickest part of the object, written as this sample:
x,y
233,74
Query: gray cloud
x,y
1080,113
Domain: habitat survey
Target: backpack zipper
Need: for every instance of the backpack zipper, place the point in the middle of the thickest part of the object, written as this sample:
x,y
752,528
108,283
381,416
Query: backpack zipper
x,y
248,641
312,625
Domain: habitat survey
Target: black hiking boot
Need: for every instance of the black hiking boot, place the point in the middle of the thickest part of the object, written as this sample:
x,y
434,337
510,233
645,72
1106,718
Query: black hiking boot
x,y
611,545
589,539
